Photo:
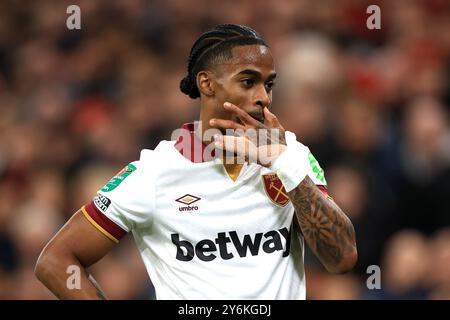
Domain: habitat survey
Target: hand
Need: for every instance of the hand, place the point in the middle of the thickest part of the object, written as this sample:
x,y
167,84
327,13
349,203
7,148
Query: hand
x,y
251,139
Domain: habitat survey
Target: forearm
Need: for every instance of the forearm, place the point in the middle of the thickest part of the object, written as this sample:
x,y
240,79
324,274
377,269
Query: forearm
x,y
326,229
52,271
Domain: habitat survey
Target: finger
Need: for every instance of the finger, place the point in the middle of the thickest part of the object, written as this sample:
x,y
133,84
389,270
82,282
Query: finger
x,y
226,124
271,118
227,143
236,145
274,122
244,116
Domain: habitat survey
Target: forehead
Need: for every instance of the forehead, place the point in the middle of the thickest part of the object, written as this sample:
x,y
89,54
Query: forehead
x,y
256,57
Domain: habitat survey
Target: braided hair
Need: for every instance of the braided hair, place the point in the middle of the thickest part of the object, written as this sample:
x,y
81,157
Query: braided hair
x,y
215,46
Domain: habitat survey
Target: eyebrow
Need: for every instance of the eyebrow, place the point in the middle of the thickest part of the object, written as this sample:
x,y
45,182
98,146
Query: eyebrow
x,y
257,73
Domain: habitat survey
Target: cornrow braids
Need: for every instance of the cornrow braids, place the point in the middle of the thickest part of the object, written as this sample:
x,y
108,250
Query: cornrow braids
x,y
214,46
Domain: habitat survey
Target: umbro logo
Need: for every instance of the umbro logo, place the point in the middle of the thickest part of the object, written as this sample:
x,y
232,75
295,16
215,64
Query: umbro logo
x,y
188,200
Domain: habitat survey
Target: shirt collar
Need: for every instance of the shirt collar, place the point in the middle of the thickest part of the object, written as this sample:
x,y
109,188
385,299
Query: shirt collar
x,y
191,147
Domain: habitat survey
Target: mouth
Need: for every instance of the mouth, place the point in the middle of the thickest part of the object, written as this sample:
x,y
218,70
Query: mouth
x,y
257,116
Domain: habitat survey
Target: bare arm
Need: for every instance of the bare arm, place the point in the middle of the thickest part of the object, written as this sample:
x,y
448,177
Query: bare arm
x,y
326,229
78,243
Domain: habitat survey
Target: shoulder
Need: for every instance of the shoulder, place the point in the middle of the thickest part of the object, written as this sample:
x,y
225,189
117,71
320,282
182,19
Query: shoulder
x,y
150,160
132,176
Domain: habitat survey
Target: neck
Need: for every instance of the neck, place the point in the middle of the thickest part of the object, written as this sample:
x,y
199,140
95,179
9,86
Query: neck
x,y
204,121
208,112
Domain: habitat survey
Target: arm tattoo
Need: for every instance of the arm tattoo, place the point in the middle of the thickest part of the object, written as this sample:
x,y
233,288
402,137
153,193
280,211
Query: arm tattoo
x,y
327,230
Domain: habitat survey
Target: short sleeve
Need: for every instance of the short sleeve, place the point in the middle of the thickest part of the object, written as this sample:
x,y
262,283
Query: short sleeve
x,y
125,202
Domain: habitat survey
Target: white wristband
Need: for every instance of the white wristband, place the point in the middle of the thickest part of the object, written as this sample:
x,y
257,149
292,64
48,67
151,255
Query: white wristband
x,y
288,167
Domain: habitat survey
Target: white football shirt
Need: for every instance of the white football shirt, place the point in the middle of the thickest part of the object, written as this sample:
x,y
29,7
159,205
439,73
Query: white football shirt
x,y
202,235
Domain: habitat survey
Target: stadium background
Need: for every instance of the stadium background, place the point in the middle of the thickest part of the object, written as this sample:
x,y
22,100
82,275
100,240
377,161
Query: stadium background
x,y
373,105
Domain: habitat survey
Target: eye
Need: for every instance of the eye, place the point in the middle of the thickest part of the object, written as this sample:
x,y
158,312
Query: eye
x,y
248,83
270,85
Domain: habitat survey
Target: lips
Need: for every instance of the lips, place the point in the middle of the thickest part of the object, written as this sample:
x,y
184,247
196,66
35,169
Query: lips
x,y
258,117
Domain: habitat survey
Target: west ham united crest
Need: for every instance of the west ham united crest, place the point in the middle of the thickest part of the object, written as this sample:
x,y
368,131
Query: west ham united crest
x,y
275,190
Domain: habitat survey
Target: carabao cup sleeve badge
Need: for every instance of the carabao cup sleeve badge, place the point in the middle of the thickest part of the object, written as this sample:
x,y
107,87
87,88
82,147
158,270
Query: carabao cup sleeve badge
x,y
118,178
275,190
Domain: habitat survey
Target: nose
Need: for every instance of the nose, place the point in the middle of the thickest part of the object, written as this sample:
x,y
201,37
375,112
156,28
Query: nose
x,y
262,97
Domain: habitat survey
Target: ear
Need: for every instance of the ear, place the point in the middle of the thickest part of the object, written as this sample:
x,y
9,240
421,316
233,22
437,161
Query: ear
x,y
205,83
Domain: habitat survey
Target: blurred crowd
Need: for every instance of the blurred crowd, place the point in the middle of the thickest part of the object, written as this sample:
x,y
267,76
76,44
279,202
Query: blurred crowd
x,y
372,105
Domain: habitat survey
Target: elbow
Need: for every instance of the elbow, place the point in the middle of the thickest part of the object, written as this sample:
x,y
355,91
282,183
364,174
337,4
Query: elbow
x,y
41,269
45,265
346,264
